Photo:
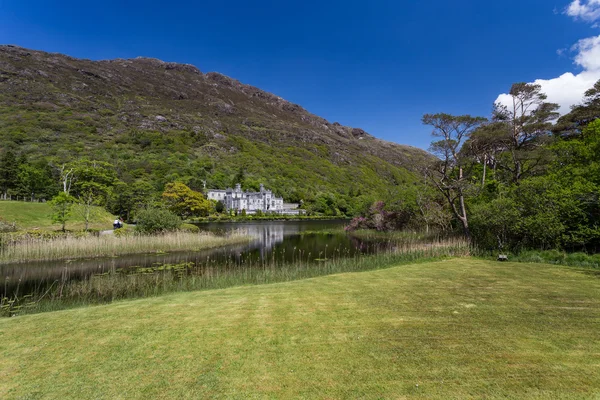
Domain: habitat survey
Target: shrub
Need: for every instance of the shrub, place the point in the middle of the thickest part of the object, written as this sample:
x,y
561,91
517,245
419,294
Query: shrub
x,y
120,232
7,226
156,220
189,228
380,219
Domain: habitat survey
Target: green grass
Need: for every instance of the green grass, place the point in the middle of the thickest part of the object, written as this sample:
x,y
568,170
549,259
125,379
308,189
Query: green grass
x,y
455,329
39,215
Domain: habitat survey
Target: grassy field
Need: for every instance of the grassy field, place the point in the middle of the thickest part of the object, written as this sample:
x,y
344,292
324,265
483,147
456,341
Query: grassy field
x,y
460,328
39,215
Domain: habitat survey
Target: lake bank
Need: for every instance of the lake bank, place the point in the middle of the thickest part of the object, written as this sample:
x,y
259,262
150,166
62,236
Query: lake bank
x,y
269,217
459,328
63,287
43,248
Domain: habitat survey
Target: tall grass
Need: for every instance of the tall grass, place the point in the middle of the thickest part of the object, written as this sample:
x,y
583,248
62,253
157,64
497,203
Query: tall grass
x,y
144,282
61,248
557,257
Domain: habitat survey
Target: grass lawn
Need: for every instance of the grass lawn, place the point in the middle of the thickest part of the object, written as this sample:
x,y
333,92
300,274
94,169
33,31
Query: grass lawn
x,y
39,215
461,328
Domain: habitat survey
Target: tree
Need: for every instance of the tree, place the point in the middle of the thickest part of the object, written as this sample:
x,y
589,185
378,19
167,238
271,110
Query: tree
x,y
430,208
125,198
9,172
448,173
62,204
239,177
528,121
35,180
93,184
156,220
219,207
185,202
573,123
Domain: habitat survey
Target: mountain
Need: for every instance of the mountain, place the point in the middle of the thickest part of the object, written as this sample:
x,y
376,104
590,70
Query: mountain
x,y
160,121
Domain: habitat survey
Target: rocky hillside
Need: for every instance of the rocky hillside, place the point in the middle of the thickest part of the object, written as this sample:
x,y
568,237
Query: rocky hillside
x,y
162,121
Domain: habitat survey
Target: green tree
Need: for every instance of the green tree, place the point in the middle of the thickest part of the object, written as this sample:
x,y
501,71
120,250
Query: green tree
x,y
125,199
62,205
528,123
573,123
448,173
156,220
94,180
9,172
185,202
35,180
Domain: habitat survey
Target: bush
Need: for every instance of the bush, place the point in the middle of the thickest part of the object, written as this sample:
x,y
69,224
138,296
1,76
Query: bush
x,y
120,232
189,228
156,220
7,226
378,218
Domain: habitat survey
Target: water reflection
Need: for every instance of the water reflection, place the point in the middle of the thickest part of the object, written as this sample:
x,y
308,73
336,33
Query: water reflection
x,y
281,241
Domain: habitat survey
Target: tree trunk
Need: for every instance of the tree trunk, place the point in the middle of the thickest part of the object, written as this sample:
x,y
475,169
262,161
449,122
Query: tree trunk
x,y
484,170
87,218
463,217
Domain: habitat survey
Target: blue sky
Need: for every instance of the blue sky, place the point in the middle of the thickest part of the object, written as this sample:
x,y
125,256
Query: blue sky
x,y
378,65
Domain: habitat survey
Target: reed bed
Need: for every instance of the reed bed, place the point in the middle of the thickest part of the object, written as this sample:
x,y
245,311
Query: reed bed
x,y
61,248
210,274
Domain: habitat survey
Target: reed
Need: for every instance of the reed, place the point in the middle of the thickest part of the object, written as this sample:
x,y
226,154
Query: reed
x,y
210,274
61,248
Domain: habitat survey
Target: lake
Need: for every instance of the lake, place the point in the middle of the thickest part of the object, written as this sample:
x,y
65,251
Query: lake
x,y
272,241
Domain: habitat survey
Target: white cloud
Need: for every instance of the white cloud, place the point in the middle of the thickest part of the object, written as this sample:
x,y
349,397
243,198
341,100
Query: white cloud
x,y
568,89
588,53
586,10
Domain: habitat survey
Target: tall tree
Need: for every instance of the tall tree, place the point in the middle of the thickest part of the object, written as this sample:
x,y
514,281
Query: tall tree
x,y
529,121
35,180
92,187
9,172
448,174
581,115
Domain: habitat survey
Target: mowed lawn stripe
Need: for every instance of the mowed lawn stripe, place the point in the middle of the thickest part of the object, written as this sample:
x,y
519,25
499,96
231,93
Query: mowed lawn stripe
x,y
460,328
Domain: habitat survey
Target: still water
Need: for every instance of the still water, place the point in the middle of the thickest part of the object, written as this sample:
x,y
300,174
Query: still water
x,y
279,241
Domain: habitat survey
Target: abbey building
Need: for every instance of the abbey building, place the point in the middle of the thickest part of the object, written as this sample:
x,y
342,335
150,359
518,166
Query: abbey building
x,y
264,200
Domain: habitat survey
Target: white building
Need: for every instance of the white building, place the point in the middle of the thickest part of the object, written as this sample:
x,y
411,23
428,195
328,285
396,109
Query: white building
x,y
236,199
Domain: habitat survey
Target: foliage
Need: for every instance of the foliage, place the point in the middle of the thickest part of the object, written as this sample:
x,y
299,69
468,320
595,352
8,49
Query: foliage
x,y
156,220
185,202
448,174
380,219
189,228
62,205
125,199
199,144
6,226
577,259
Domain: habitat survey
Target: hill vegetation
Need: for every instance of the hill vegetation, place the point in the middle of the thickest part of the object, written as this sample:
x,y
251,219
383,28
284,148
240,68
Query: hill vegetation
x,y
156,122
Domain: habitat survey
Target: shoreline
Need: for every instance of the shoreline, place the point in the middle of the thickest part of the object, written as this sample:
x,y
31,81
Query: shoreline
x,y
106,246
250,218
